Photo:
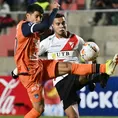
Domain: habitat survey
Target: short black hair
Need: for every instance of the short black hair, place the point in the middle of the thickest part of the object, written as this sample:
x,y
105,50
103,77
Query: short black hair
x,y
90,40
42,1
34,7
59,15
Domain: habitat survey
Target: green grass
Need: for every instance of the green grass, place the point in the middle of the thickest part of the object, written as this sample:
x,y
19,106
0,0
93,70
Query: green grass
x,y
60,117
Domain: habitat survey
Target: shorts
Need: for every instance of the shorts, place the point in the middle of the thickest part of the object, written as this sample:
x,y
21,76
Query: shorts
x,y
36,78
67,90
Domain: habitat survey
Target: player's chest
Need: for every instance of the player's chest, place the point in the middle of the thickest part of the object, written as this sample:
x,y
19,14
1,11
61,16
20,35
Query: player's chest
x,y
62,45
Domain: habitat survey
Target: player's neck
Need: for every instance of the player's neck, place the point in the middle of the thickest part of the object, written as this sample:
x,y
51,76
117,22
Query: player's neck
x,y
62,36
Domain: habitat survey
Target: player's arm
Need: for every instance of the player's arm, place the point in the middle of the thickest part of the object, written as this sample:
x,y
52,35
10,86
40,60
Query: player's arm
x,y
14,73
79,47
29,28
46,23
43,48
81,43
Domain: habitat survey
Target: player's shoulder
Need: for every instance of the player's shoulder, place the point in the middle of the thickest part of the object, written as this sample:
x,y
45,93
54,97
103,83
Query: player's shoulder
x,y
77,36
47,40
51,37
25,22
21,22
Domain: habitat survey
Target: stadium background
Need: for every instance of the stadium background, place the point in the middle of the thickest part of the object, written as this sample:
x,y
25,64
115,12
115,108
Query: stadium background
x,y
78,23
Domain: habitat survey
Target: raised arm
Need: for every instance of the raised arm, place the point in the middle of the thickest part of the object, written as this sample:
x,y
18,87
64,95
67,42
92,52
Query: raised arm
x,y
28,27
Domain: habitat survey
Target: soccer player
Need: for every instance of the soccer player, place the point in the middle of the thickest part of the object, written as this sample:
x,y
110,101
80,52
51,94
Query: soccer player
x,y
63,45
32,71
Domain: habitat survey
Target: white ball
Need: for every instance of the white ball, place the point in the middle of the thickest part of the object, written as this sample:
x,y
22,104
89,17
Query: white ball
x,y
89,51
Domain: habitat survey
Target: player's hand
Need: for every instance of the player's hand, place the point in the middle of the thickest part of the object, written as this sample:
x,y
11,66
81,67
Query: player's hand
x,y
115,59
111,65
82,60
55,4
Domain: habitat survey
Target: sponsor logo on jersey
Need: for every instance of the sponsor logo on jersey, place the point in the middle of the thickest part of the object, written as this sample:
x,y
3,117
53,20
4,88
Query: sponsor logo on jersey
x,y
71,44
63,54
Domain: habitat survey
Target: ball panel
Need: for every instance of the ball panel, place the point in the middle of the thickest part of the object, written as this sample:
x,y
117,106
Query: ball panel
x,y
89,51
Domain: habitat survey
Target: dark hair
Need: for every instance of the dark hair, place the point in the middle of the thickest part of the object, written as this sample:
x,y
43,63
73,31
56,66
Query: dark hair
x,y
34,7
59,15
42,1
91,40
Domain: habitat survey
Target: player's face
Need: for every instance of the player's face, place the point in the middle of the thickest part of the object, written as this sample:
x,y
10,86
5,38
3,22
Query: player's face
x,y
59,26
35,17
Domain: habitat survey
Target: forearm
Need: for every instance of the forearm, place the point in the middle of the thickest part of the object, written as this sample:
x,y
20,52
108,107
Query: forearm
x,y
52,16
46,23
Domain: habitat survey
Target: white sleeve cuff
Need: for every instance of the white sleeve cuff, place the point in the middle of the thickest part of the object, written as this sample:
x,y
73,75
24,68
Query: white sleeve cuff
x,y
32,27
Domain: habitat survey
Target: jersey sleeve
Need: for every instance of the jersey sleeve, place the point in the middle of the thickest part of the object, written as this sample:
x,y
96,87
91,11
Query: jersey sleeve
x,y
81,42
27,28
46,23
43,46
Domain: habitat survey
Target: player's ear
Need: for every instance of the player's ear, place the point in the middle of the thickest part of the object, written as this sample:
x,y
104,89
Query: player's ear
x,y
27,15
52,25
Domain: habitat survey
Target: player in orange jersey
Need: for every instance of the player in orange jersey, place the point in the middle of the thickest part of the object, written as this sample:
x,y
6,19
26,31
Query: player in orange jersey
x,y
32,71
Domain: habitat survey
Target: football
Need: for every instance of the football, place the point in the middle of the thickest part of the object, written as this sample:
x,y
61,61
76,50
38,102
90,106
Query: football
x,y
89,51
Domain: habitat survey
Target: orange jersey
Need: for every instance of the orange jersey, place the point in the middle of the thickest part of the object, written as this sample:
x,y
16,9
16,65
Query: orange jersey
x,y
27,49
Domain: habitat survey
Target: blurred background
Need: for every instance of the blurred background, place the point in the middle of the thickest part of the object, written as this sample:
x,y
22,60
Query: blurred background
x,y
95,20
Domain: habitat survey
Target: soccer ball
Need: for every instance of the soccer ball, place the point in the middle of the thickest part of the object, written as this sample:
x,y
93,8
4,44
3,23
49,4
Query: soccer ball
x,y
89,51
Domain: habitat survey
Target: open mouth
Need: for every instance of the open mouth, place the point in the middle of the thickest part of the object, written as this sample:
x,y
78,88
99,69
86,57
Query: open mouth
x,y
62,29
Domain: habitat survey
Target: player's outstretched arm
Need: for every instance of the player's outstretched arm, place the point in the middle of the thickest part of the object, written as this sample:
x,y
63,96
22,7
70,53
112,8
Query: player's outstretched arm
x,y
46,23
30,27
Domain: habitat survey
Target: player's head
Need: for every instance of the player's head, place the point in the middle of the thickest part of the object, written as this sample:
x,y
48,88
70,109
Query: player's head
x,y
34,13
59,25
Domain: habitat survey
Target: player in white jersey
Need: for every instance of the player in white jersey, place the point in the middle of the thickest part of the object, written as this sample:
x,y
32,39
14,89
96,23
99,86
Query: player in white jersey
x,y
64,46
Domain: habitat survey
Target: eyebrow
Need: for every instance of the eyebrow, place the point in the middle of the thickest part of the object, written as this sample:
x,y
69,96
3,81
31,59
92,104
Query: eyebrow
x,y
61,22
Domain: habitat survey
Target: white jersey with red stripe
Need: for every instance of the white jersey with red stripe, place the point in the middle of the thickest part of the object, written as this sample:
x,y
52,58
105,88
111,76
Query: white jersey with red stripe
x,y
66,49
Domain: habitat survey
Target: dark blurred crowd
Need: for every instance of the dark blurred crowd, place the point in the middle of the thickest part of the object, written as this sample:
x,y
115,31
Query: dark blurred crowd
x,y
5,18
16,4
111,18
6,6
